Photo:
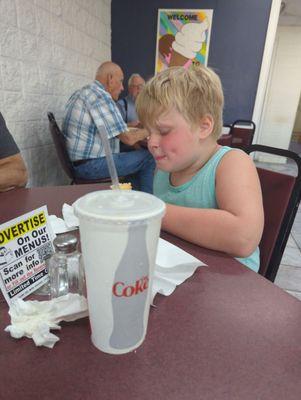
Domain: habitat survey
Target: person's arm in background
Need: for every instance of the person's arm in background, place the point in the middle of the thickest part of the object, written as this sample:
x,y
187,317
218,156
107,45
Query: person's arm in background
x,y
133,124
106,113
133,136
13,172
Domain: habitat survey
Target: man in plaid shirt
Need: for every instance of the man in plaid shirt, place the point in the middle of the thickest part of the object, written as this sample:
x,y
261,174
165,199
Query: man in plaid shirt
x,y
92,108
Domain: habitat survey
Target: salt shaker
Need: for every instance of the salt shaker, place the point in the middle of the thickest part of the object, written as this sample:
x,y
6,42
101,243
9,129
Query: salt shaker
x,y
65,267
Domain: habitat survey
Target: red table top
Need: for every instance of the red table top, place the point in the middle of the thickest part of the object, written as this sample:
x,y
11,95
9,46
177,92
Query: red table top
x,y
226,333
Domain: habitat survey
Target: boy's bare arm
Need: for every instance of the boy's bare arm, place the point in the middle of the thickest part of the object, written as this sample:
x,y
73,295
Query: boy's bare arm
x,y
133,136
13,172
236,227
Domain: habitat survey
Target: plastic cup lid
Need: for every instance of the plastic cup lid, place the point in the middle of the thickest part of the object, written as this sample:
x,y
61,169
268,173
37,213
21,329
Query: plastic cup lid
x,y
115,205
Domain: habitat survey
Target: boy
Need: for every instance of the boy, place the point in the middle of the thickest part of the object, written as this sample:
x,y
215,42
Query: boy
x,y
212,192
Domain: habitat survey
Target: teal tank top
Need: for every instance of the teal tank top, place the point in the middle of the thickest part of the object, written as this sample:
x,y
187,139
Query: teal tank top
x,y
199,192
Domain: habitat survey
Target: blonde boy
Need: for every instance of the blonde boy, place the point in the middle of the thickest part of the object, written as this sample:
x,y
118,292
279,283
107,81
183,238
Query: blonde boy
x,y
212,192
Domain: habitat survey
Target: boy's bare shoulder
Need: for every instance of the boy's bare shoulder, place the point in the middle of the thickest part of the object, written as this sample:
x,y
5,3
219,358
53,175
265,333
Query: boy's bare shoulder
x,y
237,155
236,161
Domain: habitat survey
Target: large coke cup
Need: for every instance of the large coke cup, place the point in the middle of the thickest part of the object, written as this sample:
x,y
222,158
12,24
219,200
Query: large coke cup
x,y
119,233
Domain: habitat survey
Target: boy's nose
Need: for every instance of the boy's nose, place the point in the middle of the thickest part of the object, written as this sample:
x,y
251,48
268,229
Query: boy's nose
x,y
153,140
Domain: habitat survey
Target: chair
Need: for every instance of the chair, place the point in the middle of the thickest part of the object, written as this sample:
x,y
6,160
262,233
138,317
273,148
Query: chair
x,y
281,198
225,139
240,135
242,132
60,145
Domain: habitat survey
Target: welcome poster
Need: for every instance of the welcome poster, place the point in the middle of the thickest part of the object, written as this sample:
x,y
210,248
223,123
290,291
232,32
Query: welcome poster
x,y
183,38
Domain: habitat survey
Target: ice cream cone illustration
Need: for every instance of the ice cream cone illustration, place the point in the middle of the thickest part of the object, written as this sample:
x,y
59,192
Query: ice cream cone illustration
x,y
187,43
177,59
165,48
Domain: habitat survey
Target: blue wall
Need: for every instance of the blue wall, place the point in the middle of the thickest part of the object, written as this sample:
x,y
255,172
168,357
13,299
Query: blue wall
x,y
236,46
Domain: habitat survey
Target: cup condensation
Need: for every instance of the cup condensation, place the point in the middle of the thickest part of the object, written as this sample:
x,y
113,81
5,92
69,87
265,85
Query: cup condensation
x,y
119,235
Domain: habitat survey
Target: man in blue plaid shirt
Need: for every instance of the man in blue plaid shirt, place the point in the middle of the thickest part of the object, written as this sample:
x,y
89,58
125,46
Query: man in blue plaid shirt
x,y
92,108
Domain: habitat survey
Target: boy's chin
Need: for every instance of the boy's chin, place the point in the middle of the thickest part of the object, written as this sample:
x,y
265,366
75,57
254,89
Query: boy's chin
x,y
166,166
165,169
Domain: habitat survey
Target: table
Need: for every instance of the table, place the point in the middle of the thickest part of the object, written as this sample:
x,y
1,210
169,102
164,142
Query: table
x,y
226,333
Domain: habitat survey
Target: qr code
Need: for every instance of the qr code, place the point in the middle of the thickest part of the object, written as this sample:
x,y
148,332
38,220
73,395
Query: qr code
x,y
45,251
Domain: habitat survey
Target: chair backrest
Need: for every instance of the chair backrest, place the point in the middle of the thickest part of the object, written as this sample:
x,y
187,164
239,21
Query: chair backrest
x,y
225,140
242,132
60,145
281,198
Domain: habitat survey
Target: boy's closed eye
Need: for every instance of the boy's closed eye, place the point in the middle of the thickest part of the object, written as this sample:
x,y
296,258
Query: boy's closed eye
x,y
164,131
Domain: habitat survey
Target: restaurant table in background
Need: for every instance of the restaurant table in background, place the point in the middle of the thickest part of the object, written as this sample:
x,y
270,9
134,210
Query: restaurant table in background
x,y
226,333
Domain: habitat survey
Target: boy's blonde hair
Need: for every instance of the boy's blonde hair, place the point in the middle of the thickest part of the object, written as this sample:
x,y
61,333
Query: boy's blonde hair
x,y
193,92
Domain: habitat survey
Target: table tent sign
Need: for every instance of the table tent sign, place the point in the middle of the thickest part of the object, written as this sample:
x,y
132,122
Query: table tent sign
x,y
25,245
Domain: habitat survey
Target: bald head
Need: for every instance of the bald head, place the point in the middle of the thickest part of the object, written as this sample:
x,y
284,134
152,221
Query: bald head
x,y
110,75
106,69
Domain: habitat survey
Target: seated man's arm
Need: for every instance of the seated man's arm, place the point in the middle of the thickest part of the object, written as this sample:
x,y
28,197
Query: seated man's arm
x,y
106,113
133,136
133,124
13,172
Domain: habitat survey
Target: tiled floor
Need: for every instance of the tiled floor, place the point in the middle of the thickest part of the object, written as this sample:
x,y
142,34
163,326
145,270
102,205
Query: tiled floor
x,y
289,273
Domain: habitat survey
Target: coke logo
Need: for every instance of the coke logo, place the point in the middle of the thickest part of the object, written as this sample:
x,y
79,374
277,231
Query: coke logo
x,y
120,289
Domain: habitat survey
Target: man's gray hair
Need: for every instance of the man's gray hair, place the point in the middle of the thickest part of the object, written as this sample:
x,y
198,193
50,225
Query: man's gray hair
x,y
135,75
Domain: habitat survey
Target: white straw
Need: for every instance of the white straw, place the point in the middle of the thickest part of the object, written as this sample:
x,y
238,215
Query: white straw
x,y
109,157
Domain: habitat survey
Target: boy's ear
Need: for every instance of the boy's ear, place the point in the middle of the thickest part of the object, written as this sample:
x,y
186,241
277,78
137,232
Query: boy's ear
x,y
206,126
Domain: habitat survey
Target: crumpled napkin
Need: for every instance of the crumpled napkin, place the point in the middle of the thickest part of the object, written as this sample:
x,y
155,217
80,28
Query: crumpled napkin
x,y
34,319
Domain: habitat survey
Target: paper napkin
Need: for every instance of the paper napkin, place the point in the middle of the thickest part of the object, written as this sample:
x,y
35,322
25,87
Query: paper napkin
x,y
58,225
70,219
173,267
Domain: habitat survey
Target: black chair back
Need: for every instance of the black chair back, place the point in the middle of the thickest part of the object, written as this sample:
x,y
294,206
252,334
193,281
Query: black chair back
x,y
60,145
281,197
59,142
242,133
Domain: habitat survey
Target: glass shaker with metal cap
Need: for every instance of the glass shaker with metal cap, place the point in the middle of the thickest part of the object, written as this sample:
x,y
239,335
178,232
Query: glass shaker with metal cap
x,y
65,267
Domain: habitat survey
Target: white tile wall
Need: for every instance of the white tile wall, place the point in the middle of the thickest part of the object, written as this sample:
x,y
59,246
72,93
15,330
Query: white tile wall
x,y
283,90
297,126
48,49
